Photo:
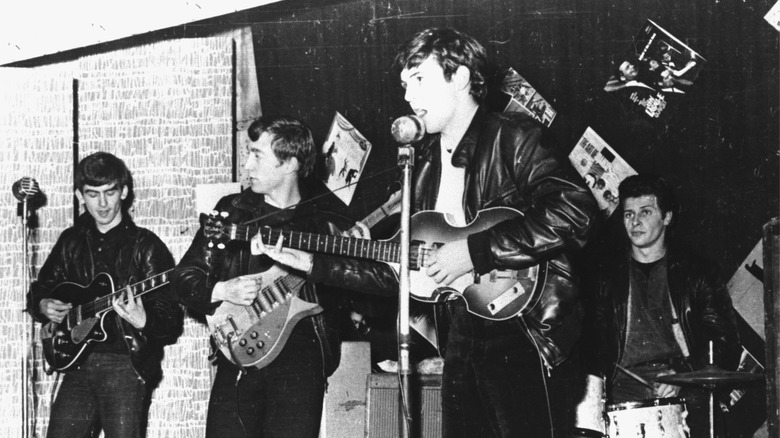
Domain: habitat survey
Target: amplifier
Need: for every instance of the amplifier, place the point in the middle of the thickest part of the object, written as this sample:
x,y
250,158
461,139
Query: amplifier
x,y
383,400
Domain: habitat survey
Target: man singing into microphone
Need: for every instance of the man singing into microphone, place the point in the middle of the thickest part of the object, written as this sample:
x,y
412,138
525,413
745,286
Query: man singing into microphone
x,y
494,371
109,386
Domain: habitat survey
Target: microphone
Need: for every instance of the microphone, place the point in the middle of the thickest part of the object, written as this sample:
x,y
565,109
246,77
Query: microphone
x,y
408,129
25,189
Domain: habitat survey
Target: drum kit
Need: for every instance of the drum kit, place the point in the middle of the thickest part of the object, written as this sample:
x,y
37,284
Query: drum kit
x,y
661,417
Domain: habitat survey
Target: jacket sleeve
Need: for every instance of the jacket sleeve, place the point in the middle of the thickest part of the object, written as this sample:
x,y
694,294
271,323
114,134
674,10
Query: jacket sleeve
x,y
194,278
164,315
52,273
364,276
558,211
354,274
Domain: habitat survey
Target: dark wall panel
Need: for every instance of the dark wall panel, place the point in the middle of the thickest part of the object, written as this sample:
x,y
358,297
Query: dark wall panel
x,y
720,148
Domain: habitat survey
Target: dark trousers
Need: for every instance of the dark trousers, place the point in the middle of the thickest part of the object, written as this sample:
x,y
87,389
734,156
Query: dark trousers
x,y
282,400
104,392
493,384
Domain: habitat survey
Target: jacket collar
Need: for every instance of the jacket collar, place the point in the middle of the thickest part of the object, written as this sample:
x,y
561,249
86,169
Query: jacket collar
x,y
464,152
86,223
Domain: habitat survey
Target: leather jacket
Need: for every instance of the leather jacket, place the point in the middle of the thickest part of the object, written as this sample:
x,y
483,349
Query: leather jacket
x,y
699,296
142,256
203,266
510,161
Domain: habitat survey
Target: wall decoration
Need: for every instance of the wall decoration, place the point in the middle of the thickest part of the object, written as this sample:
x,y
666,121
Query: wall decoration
x,y
525,98
773,16
601,167
346,151
655,72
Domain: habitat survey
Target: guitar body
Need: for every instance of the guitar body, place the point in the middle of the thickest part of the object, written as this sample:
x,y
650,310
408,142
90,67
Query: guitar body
x,y
255,335
497,295
65,345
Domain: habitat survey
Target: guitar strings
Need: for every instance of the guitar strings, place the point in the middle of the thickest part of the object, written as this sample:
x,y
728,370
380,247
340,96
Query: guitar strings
x,y
104,302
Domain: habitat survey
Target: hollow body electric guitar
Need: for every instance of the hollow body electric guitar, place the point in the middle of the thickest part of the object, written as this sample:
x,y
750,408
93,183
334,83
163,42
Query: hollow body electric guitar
x,y
254,335
65,345
497,295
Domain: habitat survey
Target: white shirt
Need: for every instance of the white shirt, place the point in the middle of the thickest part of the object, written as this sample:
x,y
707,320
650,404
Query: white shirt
x,y
451,186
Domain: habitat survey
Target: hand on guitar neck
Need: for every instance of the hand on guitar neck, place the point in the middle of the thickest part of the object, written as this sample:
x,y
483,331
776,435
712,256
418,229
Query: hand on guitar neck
x,y
130,308
304,261
292,258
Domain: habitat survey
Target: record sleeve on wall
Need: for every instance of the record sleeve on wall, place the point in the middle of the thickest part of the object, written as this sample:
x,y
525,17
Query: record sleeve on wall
x,y
655,73
602,169
346,151
524,98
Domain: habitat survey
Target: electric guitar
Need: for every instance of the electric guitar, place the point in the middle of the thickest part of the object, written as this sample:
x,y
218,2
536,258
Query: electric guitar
x,y
254,335
497,295
66,344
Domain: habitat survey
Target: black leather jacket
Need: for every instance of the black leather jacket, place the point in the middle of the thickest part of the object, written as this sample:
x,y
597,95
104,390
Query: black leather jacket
x,y
143,256
202,267
699,296
510,161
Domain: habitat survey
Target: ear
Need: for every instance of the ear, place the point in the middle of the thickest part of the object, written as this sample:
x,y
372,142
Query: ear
x,y
668,218
291,165
462,77
79,196
125,191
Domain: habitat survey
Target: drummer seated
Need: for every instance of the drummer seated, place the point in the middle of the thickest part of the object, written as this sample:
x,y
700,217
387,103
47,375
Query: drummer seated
x,y
656,306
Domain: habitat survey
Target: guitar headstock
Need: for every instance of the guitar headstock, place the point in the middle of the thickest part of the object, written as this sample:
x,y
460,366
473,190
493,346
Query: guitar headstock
x,y
214,228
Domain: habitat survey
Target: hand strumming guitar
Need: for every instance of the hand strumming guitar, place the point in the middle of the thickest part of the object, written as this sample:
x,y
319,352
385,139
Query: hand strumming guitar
x,y
240,291
55,310
449,262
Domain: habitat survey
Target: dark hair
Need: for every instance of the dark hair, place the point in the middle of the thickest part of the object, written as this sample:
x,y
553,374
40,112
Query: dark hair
x,y
451,49
101,168
649,184
291,138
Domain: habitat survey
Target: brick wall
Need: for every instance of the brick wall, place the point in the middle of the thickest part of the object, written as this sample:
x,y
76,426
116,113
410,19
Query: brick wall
x,y
35,140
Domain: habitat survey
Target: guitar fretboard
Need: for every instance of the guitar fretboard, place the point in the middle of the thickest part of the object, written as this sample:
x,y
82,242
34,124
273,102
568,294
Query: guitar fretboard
x,y
103,303
383,251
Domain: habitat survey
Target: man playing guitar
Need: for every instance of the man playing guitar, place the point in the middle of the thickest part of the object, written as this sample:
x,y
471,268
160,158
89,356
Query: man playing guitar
x,y
109,381
281,397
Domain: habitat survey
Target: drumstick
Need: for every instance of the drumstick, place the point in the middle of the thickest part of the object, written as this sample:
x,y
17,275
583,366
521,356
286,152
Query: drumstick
x,y
636,377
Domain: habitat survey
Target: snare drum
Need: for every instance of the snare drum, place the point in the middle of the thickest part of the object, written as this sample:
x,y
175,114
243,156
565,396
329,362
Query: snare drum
x,y
659,417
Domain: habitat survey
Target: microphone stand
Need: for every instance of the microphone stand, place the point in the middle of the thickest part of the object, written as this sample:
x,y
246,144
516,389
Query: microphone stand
x,y
405,161
26,333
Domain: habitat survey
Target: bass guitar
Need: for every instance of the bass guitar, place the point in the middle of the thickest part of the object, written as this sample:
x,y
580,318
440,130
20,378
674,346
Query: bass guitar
x,y
66,344
497,295
254,335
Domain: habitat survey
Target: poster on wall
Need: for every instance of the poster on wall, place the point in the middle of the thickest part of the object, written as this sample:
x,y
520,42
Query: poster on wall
x,y
346,151
655,73
524,98
773,16
602,169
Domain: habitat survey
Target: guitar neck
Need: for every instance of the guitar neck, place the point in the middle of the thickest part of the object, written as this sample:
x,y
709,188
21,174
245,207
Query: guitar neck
x,y
390,207
103,304
383,251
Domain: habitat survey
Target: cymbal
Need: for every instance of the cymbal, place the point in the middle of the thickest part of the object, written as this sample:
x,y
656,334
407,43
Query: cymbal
x,y
711,375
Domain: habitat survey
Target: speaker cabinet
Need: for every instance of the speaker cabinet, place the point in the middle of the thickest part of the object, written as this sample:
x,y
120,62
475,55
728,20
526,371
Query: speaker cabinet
x,y
772,323
383,401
